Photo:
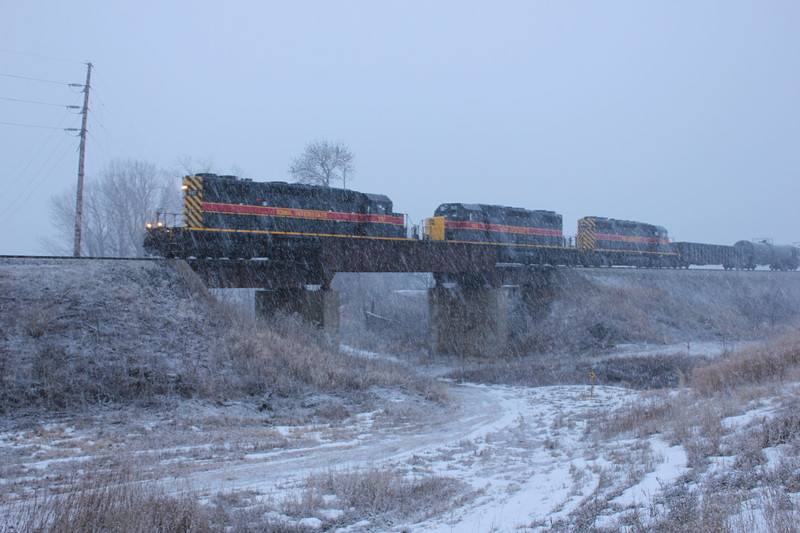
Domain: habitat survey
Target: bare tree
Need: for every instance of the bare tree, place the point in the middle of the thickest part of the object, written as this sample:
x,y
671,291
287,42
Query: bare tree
x,y
117,205
188,165
322,163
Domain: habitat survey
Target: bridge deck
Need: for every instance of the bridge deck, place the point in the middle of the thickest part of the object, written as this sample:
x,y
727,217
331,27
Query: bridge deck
x,y
317,265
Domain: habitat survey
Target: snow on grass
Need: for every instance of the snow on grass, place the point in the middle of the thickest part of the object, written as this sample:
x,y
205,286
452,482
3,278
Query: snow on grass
x,y
533,465
670,466
521,456
366,354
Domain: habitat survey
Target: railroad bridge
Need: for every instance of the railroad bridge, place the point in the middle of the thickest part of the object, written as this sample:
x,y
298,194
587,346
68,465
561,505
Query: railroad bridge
x,y
468,306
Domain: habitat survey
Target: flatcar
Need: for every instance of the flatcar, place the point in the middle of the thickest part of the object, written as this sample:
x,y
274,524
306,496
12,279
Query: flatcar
x,y
610,241
225,216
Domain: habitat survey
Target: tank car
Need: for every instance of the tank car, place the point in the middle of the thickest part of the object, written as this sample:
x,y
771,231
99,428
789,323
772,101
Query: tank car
x,y
786,257
760,253
225,216
610,241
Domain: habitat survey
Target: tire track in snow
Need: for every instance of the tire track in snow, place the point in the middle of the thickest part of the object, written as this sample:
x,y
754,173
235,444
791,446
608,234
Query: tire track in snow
x,y
481,410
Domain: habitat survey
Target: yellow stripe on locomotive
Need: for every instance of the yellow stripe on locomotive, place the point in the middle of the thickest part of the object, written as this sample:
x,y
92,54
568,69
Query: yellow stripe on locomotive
x,y
587,232
193,201
434,228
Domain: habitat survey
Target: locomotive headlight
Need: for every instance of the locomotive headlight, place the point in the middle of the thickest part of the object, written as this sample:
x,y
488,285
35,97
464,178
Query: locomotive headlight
x,y
184,187
160,224
149,225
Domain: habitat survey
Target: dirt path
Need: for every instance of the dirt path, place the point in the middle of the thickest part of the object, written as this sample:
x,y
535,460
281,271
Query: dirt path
x,y
521,457
525,454
478,410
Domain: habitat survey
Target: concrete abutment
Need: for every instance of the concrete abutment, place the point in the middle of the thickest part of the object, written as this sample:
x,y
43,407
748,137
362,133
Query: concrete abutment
x,y
320,307
468,321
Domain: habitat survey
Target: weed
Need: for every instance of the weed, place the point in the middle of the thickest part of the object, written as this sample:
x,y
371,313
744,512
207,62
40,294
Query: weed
x,y
382,495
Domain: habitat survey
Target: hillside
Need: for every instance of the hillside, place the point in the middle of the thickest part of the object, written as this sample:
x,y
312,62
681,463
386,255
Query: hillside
x,y
133,401
83,332
601,307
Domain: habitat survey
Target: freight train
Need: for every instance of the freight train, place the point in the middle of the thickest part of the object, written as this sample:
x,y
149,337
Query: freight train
x,y
224,216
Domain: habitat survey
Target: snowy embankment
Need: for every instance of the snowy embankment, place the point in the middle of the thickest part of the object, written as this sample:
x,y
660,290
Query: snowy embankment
x,y
119,377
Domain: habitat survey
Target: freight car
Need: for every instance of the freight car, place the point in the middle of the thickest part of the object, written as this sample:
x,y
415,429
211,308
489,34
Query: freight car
x,y
776,257
695,253
225,216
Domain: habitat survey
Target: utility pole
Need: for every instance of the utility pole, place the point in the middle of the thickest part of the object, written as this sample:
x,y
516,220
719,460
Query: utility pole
x,y
81,153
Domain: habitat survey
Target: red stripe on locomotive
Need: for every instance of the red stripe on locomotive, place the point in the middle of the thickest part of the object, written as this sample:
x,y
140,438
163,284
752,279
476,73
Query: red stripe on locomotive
x,y
629,238
300,213
451,224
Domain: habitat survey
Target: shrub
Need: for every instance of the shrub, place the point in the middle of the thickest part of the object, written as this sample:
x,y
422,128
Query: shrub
x,y
117,507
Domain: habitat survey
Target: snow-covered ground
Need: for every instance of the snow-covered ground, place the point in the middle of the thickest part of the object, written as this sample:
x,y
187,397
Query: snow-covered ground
x,y
505,458
523,455
521,458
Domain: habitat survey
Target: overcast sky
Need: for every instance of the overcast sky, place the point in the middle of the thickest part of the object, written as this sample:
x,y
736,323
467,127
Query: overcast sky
x,y
678,113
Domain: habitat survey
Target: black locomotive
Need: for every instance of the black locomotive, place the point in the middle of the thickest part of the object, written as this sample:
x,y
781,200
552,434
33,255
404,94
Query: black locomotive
x,y
524,235
229,217
536,237
609,241
225,216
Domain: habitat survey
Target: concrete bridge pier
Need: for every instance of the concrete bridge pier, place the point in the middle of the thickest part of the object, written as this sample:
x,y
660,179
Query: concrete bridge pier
x,y
468,320
320,307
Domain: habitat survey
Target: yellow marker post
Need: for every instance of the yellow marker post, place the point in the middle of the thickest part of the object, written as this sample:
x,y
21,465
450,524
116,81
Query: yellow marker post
x,y
591,378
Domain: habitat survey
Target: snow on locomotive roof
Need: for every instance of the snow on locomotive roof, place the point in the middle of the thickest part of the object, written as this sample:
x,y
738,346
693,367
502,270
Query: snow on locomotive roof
x,y
484,207
625,221
210,175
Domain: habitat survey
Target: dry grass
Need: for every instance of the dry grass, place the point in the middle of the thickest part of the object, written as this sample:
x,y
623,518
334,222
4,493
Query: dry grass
x,y
772,362
643,372
749,492
291,358
125,504
718,389
378,495
591,309
119,507
149,340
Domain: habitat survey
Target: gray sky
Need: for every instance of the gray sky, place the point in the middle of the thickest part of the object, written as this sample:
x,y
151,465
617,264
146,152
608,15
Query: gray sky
x,y
679,113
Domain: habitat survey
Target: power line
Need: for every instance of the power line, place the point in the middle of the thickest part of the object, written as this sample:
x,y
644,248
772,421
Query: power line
x,y
36,183
133,143
41,80
31,185
41,56
34,153
37,126
40,103
130,131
